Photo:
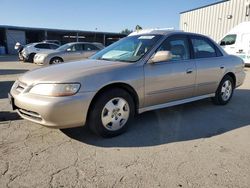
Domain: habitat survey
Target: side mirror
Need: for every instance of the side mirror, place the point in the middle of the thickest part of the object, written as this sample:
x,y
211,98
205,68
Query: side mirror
x,y
161,56
68,50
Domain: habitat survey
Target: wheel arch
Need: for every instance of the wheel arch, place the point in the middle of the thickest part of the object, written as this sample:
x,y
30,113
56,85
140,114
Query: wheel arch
x,y
232,75
50,61
128,88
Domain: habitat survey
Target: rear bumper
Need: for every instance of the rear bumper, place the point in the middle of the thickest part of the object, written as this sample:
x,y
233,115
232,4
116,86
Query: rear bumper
x,y
54,112
240,77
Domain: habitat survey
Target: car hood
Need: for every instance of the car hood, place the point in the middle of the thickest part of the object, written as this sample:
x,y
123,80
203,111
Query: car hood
x,y
69,72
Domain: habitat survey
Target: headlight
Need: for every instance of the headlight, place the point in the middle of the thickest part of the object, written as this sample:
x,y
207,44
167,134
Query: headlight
x,y
40,57
55,90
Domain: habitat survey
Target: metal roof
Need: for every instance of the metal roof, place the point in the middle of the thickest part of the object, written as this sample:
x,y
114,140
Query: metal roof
x,y
223,1
56,30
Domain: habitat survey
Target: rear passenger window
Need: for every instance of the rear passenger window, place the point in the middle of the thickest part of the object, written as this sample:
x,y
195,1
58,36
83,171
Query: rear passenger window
x,y
53,46
203,48
77,47
42,46
178,46
90,47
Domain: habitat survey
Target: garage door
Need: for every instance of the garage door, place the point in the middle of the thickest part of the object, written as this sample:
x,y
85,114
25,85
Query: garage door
x,y
13,37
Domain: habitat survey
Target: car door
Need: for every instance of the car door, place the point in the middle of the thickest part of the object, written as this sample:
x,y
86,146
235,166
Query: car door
x,y
74,52
172,80
244,48
210,65
229,43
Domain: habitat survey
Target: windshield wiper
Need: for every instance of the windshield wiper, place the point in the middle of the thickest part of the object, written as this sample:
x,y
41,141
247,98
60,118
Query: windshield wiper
x,y
106,59
121,60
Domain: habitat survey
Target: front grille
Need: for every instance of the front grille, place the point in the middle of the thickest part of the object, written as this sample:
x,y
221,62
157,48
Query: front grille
x,y
30,114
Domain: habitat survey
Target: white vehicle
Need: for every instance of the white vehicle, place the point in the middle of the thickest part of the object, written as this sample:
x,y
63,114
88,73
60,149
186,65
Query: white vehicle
x,y
237,42
30,50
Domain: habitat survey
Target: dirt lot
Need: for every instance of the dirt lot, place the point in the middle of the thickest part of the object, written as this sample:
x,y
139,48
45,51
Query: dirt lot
x,y
192,145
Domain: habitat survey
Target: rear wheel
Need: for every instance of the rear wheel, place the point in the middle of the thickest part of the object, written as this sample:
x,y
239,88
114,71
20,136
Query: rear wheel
x,y
56,60
225,91
111,113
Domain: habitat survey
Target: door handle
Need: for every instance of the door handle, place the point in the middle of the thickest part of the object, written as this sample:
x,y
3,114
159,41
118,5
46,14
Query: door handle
x,y
189,71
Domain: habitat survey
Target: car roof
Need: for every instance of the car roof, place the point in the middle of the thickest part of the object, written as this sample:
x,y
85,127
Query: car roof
x,y
35,43
164,31
70,43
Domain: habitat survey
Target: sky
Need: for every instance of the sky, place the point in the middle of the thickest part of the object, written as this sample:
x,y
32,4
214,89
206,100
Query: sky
x,y
100,15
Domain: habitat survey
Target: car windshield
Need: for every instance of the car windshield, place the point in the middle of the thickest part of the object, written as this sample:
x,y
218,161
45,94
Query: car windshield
x,y
129,49
64,47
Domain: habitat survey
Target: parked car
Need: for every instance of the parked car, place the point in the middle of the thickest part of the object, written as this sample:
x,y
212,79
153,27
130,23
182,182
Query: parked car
x,y
30,50
144,71
237,42
68,52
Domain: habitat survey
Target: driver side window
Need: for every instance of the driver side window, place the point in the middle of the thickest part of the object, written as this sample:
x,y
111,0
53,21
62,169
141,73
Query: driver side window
x,y
178,46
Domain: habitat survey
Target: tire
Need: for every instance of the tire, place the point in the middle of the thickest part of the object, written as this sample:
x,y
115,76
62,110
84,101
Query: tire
x,y
56,60
111,113
225,91
31,58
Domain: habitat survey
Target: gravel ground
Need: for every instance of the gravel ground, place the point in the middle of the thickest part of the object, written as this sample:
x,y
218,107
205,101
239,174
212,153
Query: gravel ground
x,y
192,145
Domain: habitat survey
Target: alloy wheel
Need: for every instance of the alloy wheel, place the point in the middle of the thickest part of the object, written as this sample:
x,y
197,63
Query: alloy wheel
x,y
115,114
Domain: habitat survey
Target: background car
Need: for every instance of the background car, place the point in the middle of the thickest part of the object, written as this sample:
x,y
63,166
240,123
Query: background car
x,y
68,52
30,50
53,41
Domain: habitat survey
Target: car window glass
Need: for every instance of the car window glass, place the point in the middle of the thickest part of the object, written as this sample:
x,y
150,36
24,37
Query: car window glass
x,y
42,46
203,48
90,47
178,46
129,49
52,46
228,40
76,47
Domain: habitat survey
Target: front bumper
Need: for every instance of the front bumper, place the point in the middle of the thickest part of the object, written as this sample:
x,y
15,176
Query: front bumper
x,y
41,61
54,112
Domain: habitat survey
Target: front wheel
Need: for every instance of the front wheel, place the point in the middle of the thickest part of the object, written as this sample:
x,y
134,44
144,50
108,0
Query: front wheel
x,y
111,113
31,58
56,60
225,91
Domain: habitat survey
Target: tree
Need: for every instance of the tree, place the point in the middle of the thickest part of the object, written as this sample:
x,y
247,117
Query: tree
x,y
126,31
137,28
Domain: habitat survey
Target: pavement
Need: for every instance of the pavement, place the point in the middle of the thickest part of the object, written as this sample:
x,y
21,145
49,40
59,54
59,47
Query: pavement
x,y
192,145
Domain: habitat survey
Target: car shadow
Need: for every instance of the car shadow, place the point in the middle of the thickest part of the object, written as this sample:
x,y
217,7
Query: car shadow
x,y
5,87
9,116
12,71
190,121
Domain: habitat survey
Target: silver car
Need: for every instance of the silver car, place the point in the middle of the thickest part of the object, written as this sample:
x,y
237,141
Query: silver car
x,y
145,71
68,52
28,51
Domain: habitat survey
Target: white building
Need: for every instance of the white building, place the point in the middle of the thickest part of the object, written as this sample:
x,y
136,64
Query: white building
x,y
215,20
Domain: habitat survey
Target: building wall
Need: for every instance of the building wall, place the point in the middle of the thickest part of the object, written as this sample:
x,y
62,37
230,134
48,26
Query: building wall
x,y
14,36
216,20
